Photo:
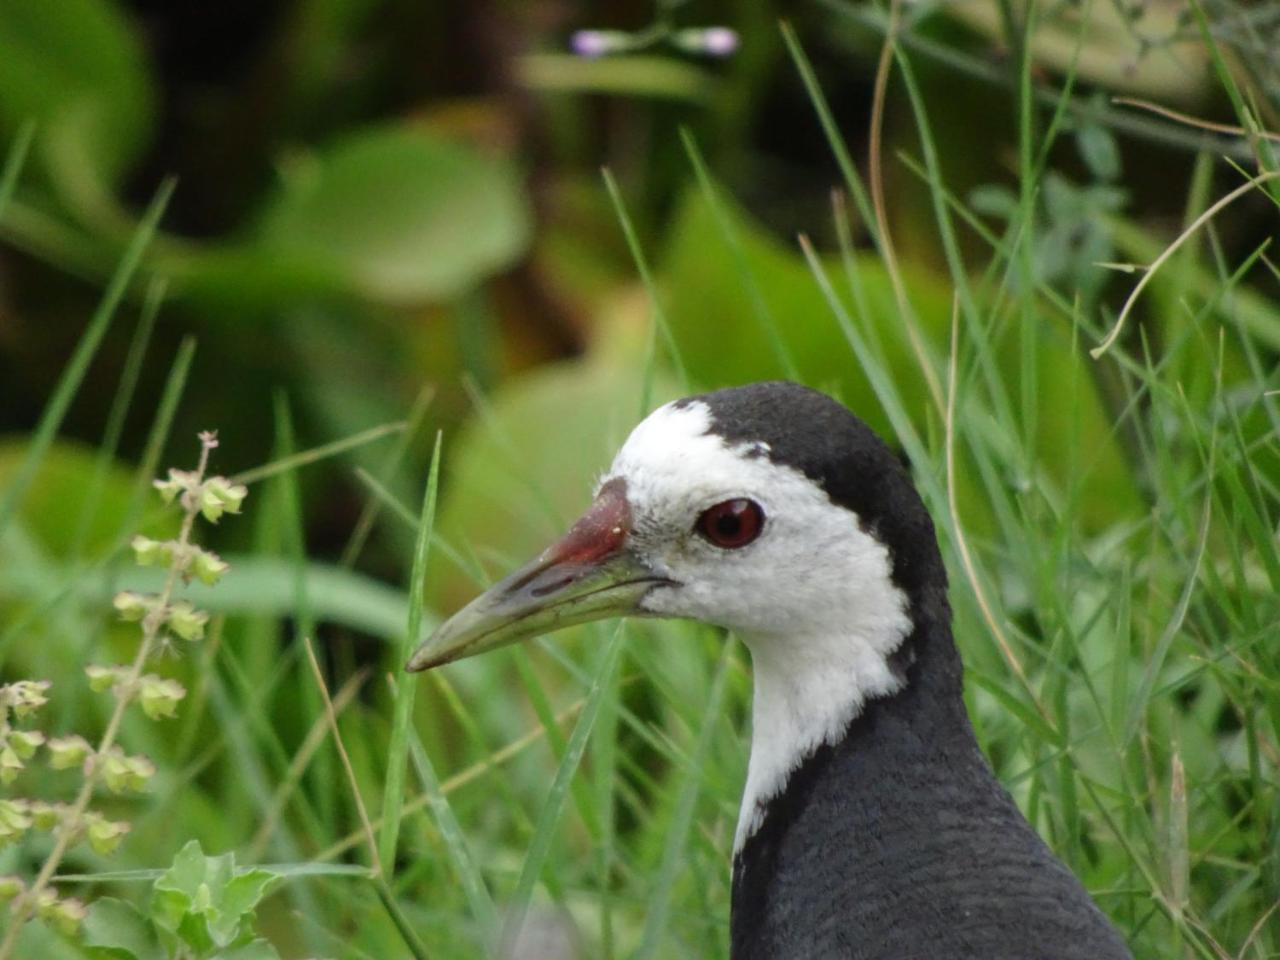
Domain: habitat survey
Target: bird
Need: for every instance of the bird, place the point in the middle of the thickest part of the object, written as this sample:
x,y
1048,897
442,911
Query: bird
x,y
871,826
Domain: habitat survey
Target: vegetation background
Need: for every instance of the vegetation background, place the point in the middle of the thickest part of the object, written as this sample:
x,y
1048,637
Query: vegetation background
x,y
333,230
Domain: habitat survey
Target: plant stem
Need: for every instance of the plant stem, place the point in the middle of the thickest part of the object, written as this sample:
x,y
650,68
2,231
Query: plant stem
x,y
151,625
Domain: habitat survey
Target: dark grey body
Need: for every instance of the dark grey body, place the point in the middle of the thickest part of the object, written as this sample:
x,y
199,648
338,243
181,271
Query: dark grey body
x,y
899,843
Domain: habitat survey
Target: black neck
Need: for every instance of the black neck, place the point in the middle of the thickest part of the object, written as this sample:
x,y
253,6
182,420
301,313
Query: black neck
x,y
898,842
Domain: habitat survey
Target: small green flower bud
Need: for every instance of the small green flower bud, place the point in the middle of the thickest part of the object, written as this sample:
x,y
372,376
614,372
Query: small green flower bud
x,y
10,764
186,621
179,481
219,495
113,770
66,915
67,752
151,553
122,773
168,489
132,606
24,696
159,697
10,887
14,820
104,835
25,742
104,678
140,771
207,567
45,816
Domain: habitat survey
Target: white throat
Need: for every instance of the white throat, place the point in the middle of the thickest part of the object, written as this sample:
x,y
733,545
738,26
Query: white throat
x,y
808,690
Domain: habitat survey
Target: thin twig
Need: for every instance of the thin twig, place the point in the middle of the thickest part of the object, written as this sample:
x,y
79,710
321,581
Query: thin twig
x,y
459,779
1257,929
1170,250
1190,121
962,545
332,717
876,176
310,744
305,457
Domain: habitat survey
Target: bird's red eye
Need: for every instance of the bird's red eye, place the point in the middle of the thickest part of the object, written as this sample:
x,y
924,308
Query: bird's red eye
x,y
731,524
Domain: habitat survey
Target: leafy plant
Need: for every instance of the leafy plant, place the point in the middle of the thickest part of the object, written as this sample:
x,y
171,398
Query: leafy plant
x,y
200,908
162,618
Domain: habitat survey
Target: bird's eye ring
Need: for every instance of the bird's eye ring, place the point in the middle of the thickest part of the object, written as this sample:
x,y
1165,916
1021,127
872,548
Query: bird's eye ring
x,y
732,523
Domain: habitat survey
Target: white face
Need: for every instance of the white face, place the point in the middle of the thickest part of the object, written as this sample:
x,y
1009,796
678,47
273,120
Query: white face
x,y
812,596
811,571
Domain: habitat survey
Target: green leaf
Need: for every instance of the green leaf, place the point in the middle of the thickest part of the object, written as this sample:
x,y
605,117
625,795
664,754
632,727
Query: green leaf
x,y
1099,151
65,477
76,62
240,897
253,950
402,715
176,894
400,214
117,930
204,902
993,200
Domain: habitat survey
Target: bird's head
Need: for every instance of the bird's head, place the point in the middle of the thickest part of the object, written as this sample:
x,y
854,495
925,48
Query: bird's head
x,y
767,509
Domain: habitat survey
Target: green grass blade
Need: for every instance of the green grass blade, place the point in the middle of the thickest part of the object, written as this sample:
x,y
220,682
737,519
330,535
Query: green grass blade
x,y
305,458
406,683
288,503
661,326
455,841
307,868
369,514
549,816
73,375
682,818
835,140
768,322
119,410
14,161
407,932
149,466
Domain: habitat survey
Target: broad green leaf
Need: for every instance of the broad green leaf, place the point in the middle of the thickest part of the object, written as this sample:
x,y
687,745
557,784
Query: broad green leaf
x,y
49,508
176,896
240,896
400,214
76,62
204,902
263,585
253,950
117,930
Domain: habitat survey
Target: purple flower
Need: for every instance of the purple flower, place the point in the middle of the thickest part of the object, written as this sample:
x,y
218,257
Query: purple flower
x,y
595,43
708,41
720,41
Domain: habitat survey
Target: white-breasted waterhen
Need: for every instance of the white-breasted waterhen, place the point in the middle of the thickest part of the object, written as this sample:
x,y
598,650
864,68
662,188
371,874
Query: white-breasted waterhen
x,y
871,825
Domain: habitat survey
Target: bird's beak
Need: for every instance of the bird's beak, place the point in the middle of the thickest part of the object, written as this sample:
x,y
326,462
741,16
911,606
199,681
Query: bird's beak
x,y
588,575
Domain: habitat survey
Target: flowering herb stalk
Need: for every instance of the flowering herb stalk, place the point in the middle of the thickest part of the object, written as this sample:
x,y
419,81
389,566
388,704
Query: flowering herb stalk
x,y
161,617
